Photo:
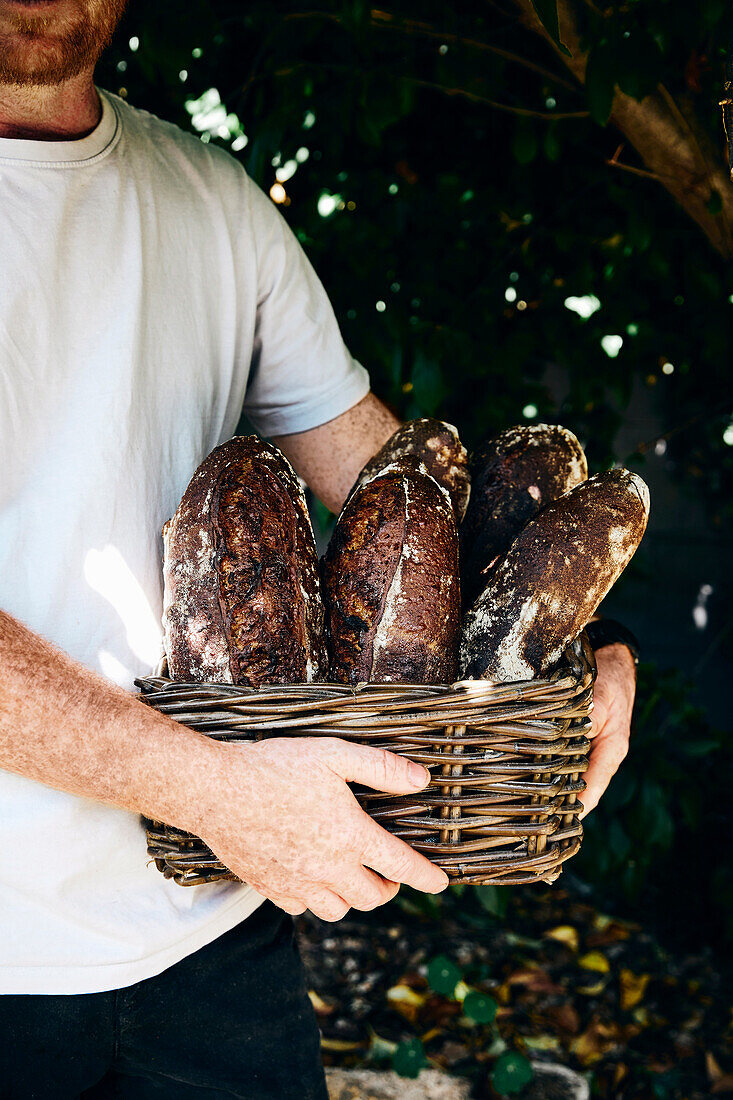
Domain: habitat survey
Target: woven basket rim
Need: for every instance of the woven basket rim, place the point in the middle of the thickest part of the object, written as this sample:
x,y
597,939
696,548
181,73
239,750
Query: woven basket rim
x,y
458,703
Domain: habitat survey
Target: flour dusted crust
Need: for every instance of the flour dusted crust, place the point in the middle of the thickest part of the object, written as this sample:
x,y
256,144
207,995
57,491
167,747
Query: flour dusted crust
x,y
554,576
513,476
242,597
391,581
437,446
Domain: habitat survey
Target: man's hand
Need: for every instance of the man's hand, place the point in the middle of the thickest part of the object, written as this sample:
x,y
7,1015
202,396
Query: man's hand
x,y
611,720
280,815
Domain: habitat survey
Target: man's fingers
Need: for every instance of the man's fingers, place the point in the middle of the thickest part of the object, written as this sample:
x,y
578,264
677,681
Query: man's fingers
x,y
393,859
598,716
369,891
605,759
289,905
328,905
376,768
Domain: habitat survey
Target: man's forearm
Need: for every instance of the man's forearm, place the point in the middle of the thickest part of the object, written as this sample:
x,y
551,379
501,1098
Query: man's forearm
x,y
279,812
64,726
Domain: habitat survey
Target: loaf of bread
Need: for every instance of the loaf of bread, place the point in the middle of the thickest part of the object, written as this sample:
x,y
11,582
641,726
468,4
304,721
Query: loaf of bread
x,y
438,447
242,600
391,581
513,475
553,577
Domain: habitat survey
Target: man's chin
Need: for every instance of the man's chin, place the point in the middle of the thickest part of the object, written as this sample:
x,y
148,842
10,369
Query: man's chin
x,y
42,65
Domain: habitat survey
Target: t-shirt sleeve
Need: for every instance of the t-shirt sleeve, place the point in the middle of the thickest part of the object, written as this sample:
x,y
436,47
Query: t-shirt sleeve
x,y
302,374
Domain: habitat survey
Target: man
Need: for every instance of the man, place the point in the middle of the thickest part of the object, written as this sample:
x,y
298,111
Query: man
x,y
148,292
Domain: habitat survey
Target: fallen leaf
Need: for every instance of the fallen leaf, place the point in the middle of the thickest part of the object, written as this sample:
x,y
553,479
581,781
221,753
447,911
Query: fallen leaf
x,y
591,990
619,1073
713,1069
321,1007
542,1042
461,991
594,960
633,987
340,1044
534,979
379,1047
502,993
595,1041
723,1084
406,1001
564,933
403,994
563,1018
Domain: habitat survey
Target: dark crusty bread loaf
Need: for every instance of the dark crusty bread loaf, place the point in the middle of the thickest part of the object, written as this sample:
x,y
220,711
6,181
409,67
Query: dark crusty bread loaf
x,y
242,597
553,577
513,475
391,581
438,447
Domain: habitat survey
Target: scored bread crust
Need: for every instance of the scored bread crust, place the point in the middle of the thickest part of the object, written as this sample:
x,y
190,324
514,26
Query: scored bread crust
x,y
437,446
242,599
513,476
551,580
391,581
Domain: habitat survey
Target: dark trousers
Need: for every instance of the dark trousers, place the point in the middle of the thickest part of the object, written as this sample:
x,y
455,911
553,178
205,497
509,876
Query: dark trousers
x,y
231,1020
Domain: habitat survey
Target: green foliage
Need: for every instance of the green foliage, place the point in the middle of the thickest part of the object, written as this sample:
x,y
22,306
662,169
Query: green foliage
x,y
511,1073
494,899
600,80
480,1008
625,55
409,1058
443,975
447,204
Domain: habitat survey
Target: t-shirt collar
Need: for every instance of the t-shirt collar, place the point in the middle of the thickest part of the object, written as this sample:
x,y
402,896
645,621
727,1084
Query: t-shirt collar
x,y
66,153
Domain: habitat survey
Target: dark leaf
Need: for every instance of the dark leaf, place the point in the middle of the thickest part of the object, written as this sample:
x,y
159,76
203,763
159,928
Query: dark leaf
x,y
479,1007
409,1058
493,899
443,975
511,1073
546,11
600,79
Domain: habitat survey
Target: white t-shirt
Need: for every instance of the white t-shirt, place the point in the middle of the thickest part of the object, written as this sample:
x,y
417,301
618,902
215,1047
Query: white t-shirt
x,y
148,292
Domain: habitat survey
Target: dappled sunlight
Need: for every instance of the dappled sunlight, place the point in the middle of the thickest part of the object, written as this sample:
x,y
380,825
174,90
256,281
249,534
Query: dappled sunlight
x,y
107,573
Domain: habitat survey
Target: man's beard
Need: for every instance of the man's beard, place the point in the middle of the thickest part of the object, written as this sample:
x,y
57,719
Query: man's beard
x,y
28,57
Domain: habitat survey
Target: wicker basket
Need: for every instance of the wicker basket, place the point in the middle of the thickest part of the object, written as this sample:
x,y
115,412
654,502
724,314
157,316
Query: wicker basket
x,y
506,763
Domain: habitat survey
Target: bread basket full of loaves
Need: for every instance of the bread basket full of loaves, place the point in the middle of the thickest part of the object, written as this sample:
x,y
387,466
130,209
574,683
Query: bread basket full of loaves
x,y
444,623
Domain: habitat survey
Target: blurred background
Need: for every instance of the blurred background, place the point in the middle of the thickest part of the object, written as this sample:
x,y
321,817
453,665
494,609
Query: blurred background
x,y
522,221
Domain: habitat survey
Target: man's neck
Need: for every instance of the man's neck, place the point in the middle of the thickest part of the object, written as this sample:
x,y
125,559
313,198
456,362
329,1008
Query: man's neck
x,y
56,112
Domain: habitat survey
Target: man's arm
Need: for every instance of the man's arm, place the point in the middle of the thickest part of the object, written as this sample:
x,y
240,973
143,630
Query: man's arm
x,y
330,457
277,812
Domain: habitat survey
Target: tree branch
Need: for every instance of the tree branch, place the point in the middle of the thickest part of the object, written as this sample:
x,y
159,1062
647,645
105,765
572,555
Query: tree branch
x,y
384,20
463,93
412,26
664,131
474,97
